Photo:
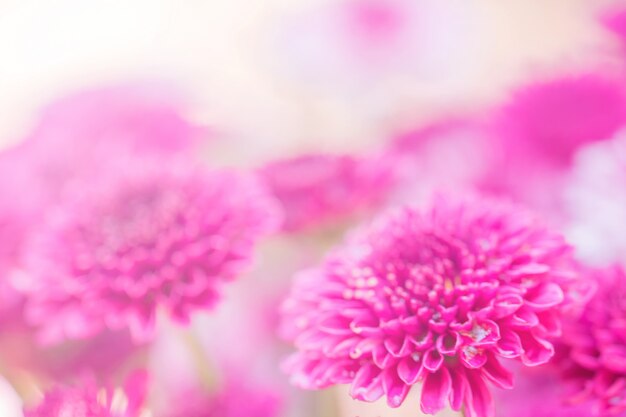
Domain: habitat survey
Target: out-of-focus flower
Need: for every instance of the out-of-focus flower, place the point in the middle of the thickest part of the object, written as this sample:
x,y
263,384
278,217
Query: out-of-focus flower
x,y
439,296
357,43
144,117
541,128
615,20
238,399
89,400
551,119
596,203
593,347
76,137
319,188
142,237
538,392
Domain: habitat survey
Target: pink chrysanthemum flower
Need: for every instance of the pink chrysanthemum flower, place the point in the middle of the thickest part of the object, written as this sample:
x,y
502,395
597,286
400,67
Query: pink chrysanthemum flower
x,y
550,120
538,392
592,350
145,117
438,297
615,20
142,237
320,188
89,400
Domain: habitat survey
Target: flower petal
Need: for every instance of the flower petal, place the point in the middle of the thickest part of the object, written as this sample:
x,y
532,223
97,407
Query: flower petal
x,y
435,391
479,402
432,360
545,296
410,369
496,373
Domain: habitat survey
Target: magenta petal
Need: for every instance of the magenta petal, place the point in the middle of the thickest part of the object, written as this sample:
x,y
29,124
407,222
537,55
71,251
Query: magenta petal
x,y
367,384
435,391
524,318
545,296
410,370
381,357
614,358
363,378
398,346
459,386
498,374
550,322
395,389
507,305
510,345
587,358
473,357
432,360
536,351
478,402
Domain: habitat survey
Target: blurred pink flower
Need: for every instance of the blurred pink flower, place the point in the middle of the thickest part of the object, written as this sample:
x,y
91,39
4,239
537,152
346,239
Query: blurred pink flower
x,y
358,43
542,127
145,117
614,20
80,134
236,399
76,137
89,400
319,188
593,348
538,393
437,296
550,120
141,237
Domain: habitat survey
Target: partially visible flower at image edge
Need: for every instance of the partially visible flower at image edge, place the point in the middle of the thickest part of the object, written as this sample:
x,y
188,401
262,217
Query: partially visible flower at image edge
x,y
145,236
592,352
438,296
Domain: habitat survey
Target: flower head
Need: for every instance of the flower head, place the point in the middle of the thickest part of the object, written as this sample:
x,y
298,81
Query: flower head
x,y
144,117
592,352
437,296
89,400
142,237
317,188
549,120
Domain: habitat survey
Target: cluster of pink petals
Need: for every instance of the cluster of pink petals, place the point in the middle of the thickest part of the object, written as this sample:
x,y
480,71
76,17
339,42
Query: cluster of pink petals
x,y
140,237
592,354
319,188
438,296
87,399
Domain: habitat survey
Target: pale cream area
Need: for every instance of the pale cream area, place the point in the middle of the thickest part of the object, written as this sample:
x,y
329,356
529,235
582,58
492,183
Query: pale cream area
x,y
219,50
